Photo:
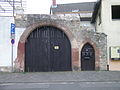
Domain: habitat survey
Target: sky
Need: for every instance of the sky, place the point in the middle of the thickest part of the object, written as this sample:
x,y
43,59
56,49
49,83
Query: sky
x,y
43,6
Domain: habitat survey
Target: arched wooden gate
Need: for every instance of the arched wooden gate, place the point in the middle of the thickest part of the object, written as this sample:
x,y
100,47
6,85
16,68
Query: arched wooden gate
x,y
47,49
87,57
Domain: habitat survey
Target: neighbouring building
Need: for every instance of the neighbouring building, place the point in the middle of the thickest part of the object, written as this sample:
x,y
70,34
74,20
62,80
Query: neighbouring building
x,y
5,42
7,14
106,18
81,10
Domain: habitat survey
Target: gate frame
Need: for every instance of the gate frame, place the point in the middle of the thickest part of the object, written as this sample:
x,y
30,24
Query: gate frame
x,y
97,54
20,60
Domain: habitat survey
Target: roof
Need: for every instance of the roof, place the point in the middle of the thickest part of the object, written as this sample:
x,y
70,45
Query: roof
x,y
86,6
96,9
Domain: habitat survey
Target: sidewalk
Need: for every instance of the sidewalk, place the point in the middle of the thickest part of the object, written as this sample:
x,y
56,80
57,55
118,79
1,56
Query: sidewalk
x,y
43,77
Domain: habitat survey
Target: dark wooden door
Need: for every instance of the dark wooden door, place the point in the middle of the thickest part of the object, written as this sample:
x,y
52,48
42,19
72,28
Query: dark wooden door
x,y
87,58
47,49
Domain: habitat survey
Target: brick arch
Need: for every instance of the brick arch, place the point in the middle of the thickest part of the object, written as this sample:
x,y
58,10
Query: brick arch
x,y
97,53
20,60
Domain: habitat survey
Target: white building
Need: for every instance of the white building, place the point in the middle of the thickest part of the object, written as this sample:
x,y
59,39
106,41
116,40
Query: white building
x,y
106,18
7,13
5,41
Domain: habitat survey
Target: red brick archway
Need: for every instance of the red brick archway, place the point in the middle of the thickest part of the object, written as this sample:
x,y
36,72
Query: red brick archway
x,y
19,62
97,53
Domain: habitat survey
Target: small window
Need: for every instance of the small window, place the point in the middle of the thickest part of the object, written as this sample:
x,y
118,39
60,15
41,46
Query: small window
x,y
116,12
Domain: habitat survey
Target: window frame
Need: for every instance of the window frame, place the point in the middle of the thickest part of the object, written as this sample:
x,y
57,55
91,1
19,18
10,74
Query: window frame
x,y
112,13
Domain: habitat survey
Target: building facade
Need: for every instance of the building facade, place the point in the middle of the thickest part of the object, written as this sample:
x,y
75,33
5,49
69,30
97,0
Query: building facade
x,y
59,44
51,43
106,18
47,43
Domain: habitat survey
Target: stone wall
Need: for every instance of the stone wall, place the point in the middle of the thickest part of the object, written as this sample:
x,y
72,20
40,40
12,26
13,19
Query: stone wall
x,y
78,36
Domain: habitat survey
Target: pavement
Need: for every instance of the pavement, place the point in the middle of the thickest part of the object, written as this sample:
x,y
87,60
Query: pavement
x,y
53,77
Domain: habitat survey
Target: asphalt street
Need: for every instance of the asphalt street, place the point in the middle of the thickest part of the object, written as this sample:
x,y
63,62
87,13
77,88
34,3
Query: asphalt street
x,y
61,86
89,80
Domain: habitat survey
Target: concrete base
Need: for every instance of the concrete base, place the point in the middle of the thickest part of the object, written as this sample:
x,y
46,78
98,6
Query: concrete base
x,y
5,69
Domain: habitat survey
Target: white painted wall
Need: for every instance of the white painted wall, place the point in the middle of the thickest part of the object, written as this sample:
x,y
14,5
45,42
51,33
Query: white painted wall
x,y
98,25
5,44
5,41
111,28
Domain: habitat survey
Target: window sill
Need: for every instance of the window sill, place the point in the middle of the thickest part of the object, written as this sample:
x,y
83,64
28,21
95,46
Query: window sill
x,y
115,19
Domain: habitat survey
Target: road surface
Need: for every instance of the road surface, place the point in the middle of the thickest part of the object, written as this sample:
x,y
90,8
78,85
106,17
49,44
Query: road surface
x,y
61,86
